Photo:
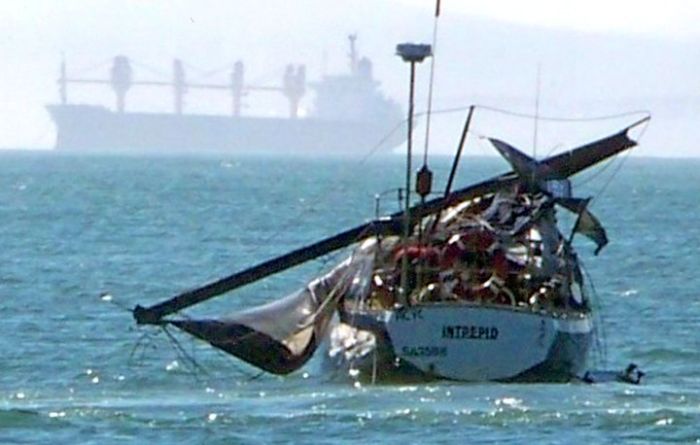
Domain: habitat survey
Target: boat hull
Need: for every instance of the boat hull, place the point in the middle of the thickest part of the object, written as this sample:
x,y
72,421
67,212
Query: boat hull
x,y
86,128
470,343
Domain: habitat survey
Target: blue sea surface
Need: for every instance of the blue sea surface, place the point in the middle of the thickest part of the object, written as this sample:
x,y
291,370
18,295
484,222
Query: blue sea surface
x,y
85,238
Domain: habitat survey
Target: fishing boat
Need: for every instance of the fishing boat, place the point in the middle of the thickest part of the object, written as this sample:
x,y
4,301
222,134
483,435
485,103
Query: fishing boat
x,y
478,284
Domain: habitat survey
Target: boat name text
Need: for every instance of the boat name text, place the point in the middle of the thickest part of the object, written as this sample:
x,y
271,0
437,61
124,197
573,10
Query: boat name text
x,y
473,332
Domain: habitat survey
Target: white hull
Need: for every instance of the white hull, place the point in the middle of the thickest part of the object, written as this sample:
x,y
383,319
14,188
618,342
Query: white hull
x,y
471,342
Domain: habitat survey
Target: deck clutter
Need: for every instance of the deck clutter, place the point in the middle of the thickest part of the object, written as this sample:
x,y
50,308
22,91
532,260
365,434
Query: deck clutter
x,y
481,284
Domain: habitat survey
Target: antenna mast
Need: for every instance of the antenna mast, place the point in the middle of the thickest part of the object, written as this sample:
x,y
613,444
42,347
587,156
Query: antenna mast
x,y
411,53
537,110
430,85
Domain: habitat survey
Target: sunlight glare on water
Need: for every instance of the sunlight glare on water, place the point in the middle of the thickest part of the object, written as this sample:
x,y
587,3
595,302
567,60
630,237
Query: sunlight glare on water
x,y
85,238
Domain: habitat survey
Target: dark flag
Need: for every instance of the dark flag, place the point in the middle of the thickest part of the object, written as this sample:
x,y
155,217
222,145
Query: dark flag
x,y
586,223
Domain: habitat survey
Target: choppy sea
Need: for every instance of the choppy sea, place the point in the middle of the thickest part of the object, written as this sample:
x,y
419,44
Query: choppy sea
x,y
84,238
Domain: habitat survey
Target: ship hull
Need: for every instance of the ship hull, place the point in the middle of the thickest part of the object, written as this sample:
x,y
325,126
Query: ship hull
x,y
464,343
86,128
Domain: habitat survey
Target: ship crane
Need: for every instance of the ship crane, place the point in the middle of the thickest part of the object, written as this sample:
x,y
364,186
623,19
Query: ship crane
x,y
293,85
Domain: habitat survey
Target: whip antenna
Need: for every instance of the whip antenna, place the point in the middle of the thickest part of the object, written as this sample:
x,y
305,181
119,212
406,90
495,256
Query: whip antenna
x,y
430,85
537,110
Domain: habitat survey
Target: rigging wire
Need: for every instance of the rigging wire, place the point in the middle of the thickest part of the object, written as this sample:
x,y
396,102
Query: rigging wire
x,y
333,295
195,366
340,187
621,164
150,69
88,68
204,73
431,83
327,193
108,298
144,341
227,357
541,118
537,112
600,334
400,124
607,165
184,355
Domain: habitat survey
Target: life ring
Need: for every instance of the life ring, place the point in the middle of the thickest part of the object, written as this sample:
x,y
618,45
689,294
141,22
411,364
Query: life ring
x,y
494,290
429,254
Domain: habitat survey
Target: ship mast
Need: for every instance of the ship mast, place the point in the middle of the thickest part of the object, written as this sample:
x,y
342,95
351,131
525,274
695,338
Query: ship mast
x,y
121,80
353,54
294,87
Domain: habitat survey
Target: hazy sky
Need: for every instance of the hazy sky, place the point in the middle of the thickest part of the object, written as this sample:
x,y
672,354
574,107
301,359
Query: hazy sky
x,y
595,57
668,18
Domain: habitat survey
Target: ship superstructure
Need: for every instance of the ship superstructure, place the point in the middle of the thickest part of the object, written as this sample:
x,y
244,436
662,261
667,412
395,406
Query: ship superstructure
x,y
349,114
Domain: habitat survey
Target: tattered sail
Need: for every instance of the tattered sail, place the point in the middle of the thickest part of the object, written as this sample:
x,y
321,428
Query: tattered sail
x,y
560,166
523,244
281,336
543,177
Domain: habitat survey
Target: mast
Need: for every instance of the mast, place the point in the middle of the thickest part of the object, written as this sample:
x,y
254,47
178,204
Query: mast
x,y
564,165
353,54
294,87
455,162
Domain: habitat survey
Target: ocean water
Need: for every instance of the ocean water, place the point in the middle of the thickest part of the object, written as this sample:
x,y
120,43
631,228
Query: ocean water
x,y
84,238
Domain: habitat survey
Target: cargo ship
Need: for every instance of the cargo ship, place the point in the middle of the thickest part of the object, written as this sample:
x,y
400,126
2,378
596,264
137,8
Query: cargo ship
x,y
348,115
